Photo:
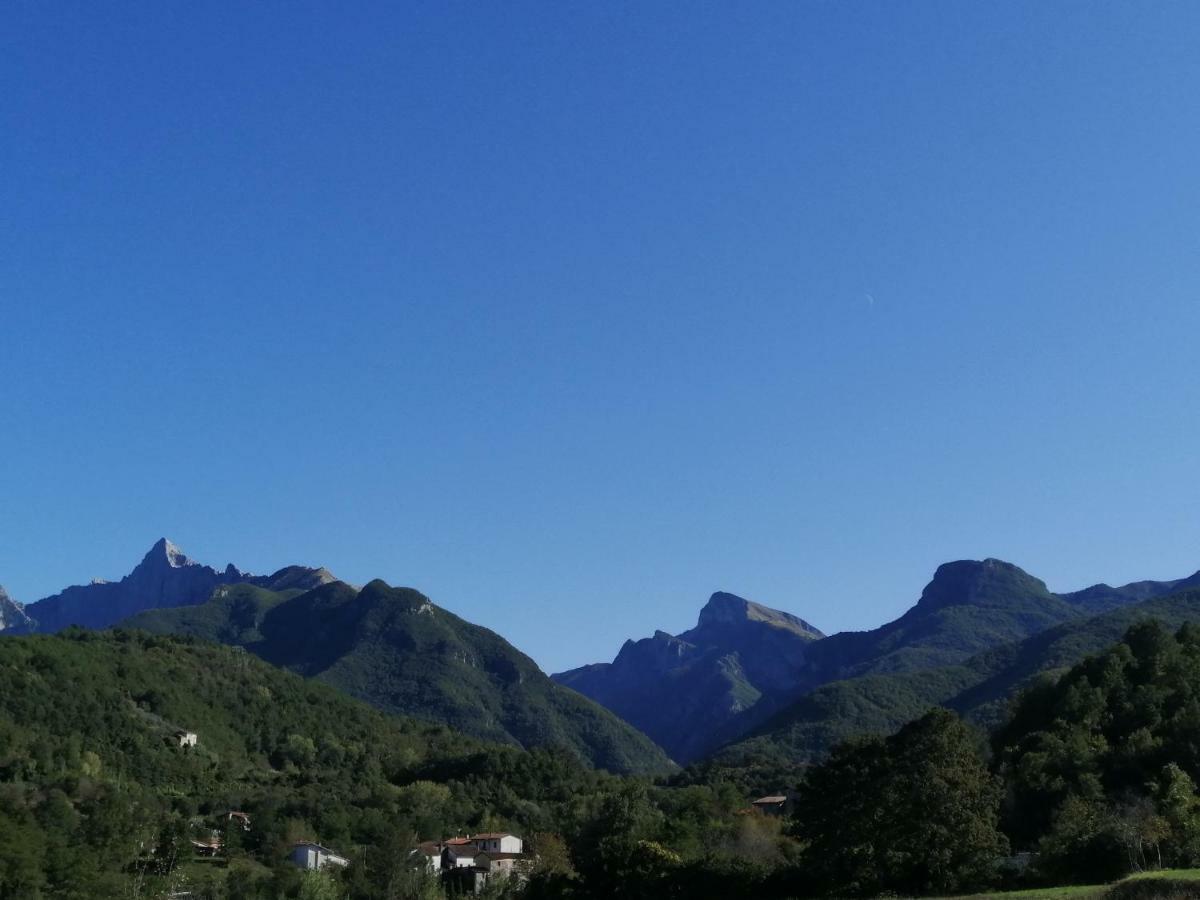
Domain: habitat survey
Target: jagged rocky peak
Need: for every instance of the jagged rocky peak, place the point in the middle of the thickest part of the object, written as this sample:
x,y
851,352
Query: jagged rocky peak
x,y
164,553
978,582
724,609
658,653
166,577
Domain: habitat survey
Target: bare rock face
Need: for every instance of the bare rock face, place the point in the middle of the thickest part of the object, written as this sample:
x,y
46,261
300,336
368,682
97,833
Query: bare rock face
x,y
13,619
731,611
166,577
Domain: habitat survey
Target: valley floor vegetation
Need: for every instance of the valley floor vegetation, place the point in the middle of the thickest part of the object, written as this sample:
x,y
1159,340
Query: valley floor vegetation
x,y
1092,776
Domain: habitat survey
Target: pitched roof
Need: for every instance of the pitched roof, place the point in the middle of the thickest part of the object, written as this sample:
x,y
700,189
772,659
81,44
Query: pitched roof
x,y
774,798
491,835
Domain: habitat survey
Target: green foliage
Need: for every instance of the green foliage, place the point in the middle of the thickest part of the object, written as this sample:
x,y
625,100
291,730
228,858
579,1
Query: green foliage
x,y
1102,764
914,813
397,651
97,799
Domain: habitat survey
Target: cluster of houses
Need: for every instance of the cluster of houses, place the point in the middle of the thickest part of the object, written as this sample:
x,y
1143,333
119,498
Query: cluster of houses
x,y
305,854
475,857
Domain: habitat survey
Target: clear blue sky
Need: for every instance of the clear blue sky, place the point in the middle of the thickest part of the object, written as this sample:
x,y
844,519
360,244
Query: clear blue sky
x,y
569,314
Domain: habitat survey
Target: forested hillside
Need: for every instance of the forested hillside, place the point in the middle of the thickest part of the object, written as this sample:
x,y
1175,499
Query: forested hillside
x,y
980,688
395,649
100,801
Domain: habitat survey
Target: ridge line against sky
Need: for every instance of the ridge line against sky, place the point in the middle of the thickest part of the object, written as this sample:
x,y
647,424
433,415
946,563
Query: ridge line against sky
x,y
568,316
495,617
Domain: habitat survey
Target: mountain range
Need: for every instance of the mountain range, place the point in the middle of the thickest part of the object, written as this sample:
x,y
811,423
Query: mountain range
x,y
752,668
747,684
979,688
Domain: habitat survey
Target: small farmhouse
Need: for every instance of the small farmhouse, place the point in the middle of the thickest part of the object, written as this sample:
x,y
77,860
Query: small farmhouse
x,y
430,852
498,842
186,738
310,855
773,805
458,853
468,862
495,863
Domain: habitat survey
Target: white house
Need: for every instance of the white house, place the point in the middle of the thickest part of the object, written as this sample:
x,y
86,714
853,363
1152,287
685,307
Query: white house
x,y
498,842
495,863
431,853
459,853
310,855
186,738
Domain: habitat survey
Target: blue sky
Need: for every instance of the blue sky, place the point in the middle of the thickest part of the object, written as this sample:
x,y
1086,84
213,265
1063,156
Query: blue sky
x,y
570,314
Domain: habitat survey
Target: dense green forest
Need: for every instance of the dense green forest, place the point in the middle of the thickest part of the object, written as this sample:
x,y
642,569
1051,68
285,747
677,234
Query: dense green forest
x,y
403,654
1094,773
97,799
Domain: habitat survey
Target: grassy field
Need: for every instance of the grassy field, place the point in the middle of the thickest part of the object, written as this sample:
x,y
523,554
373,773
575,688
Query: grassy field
x,y
1167,883
1070,892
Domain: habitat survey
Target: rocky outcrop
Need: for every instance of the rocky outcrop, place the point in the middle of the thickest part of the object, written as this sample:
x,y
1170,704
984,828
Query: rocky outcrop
x,y
13,619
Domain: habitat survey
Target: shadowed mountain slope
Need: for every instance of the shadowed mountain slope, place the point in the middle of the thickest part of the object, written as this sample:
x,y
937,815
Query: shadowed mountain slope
x,y
979,688
684,689
744,663
395,649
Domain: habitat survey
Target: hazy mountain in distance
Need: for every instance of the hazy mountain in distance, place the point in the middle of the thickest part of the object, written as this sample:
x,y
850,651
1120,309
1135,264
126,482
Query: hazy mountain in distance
x,y
698,690
684,689
165,577
978,688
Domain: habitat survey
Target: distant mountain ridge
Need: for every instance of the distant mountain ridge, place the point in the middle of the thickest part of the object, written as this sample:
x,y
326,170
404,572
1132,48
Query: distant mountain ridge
x,y
166,577
978,688
397,650
695,692
684,690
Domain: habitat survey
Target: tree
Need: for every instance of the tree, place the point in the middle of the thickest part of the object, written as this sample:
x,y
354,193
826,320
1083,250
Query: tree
x,y
915,813
319,885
